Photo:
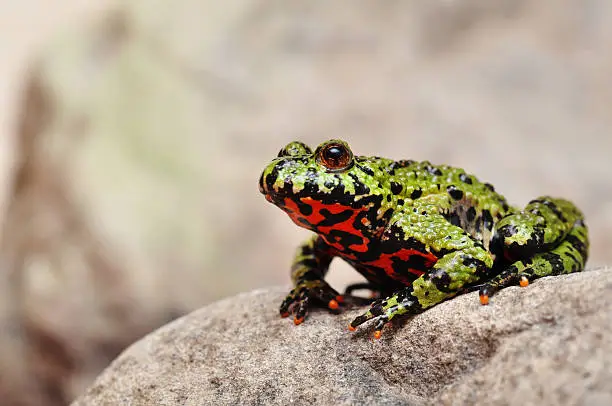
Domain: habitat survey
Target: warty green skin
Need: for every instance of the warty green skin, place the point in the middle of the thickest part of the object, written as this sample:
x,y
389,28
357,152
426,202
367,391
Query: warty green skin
x,y
419,233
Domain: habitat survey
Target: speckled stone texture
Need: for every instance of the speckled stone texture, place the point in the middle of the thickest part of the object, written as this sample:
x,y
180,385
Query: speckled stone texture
x,y
547,344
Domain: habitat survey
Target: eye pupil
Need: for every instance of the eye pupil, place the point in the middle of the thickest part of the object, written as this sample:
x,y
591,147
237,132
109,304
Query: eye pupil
x,y
333,153
335,157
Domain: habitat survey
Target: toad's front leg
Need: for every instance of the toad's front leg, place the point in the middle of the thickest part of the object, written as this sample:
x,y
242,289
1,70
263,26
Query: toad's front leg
x,y
447,277
307,272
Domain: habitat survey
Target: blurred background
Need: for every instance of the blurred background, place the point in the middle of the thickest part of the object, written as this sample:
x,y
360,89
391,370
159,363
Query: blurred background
x,y
133,133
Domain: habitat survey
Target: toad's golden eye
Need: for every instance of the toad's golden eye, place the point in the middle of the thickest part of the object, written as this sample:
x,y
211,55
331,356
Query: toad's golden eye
x,y
335,156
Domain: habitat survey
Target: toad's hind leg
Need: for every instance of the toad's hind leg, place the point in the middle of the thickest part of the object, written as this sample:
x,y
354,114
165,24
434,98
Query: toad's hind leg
x,y
548,238
445,279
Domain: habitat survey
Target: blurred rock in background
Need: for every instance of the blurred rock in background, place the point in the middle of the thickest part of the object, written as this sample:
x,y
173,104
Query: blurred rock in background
x,y
142,132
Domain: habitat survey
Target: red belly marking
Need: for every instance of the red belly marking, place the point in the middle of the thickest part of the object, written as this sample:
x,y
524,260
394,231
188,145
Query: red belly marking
x,y
385,261
315,218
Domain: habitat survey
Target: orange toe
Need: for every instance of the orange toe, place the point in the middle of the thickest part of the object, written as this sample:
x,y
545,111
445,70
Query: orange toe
x,y
298,320
351,328
484,299
524,282
377,334
332,304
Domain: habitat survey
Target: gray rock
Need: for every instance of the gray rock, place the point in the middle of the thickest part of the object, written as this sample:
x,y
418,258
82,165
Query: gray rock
x,y
547,344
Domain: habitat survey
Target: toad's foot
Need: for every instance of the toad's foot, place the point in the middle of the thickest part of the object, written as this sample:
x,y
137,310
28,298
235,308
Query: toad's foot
x,y
298,300
567,257
383,310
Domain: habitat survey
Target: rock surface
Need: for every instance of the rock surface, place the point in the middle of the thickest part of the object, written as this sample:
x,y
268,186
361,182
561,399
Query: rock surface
x,y
548,344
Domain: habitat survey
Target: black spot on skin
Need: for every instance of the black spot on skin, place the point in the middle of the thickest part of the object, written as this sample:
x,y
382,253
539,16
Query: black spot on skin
x,y
365,169
471,262
555,261
329,184
271,178
465,178
470,215
308,263
440,279
332,219
398,164
537,239
360,188
345,239
577,244
496,245
307,250
416,193
402,163
387,215
438,185
375,308
401,267
508,231
400,202
480,268
388,198
553,207
487,219
363,216
532,246
571,256
396,188
478,224
433,170
454,219
304,208
490,187
455,193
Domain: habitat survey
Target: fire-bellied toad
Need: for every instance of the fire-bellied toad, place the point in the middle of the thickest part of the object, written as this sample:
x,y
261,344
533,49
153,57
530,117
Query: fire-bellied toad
x,y
419,233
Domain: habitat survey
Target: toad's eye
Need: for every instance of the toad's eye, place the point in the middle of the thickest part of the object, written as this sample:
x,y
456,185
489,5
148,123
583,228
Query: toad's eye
x,y
335,156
